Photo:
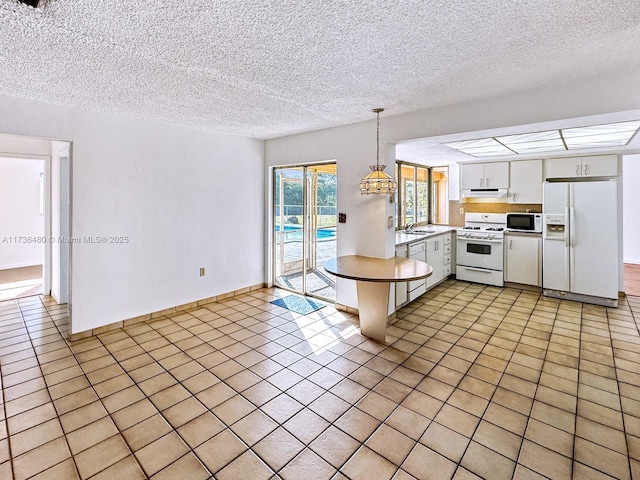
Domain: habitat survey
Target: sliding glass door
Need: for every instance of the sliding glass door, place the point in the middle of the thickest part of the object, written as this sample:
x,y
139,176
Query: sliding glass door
x,y
304,220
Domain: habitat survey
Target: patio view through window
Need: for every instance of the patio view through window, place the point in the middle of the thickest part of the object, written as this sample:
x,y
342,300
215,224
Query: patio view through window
x,y
304,220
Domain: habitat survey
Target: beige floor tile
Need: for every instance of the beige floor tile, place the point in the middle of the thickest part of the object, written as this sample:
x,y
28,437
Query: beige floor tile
x,y
162,452
278,448
306,425
40,458
334,446
305,392
220,450
329,406
101,456
307,465
367,464
91,434
146,432
601,434
200,429
31,418
127,468
486,463
247,466
601,458
457,420
133,414
424,463
408,422
600,414
233,409
34,437
544,461
254,427
498,439
445,441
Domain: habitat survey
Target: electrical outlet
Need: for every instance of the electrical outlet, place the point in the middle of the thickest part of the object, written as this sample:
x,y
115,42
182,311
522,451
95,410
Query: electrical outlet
x,y
389,222
202,271
342,218
461,211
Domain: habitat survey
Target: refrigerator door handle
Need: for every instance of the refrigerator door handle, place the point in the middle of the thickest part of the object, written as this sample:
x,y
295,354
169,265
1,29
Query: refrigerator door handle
x,y
566,227
571,273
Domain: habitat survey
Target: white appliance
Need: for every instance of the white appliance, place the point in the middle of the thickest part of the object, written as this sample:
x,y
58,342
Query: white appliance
x,y
524,222
417,251
580,241
480,248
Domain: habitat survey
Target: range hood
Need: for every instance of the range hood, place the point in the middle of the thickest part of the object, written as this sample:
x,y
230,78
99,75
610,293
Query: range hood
x,y
484,193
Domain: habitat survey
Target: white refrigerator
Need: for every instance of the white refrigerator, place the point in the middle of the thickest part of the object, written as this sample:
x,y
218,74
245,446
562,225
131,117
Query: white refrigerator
x,y
580,241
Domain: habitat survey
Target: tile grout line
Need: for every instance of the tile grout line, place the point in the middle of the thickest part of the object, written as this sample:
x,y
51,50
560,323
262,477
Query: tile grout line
x,y
4,409
35,351
494,392
622,413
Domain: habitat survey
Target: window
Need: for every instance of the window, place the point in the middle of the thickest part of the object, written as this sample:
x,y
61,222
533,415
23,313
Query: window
x,y
423,194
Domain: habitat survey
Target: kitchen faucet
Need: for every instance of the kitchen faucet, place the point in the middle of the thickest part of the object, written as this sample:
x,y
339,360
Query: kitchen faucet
x,y
409,227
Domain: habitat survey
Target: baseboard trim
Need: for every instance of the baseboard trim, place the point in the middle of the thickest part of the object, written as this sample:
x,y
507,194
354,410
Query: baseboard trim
x,y
73,337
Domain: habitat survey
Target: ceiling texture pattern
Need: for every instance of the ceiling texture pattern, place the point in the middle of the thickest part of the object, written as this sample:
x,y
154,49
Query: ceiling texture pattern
x,y
265,69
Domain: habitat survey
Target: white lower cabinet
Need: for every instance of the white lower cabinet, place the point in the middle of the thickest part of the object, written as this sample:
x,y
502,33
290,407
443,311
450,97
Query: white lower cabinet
x,y
401,287
522,261
436,251
439,257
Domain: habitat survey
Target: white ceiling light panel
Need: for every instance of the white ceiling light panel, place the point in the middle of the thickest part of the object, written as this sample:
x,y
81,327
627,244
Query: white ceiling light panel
x,y
611,135
595,136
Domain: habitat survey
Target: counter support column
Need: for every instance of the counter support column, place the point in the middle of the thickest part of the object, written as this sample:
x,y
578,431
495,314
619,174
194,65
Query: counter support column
x,y
373,308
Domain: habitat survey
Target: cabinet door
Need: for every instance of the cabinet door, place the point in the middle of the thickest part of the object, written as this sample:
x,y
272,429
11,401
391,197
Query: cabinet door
x,y
600,166
496,175
526,182
472,175
522,260
401,287
569,167
435,258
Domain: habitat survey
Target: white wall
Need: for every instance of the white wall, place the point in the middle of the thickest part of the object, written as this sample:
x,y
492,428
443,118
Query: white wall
x,y
20,213
184,198
353,146
631,208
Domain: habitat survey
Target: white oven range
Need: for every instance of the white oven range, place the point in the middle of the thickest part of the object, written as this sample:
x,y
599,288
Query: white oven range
x,y
480,248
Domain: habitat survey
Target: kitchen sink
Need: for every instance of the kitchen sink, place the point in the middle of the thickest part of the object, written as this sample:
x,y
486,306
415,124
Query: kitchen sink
x,y
420,232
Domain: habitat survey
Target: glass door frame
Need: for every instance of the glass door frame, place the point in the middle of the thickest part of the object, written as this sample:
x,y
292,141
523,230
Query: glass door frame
x,y
309,221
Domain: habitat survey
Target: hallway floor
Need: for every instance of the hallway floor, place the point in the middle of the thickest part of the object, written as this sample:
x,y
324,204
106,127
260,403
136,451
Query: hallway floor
x,y
20,282
476,382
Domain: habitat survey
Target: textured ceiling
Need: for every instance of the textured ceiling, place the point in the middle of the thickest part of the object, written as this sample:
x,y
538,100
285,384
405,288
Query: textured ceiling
x,y
270,68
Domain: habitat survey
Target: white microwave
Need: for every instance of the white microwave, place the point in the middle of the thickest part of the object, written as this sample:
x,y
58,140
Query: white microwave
x,y
524,222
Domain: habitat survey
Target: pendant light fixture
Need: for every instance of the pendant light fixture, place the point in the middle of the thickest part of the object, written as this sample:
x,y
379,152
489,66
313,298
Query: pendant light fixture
x,y
378,181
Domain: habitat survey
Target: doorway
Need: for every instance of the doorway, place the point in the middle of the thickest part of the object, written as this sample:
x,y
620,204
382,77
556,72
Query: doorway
x,y
22,223
304,228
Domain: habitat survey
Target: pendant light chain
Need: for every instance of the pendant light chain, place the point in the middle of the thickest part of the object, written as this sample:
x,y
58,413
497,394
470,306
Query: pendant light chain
x,y
378,181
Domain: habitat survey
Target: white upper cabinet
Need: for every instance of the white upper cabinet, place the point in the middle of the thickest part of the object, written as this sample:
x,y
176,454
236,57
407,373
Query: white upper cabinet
x,y
572,167
526,182
484,175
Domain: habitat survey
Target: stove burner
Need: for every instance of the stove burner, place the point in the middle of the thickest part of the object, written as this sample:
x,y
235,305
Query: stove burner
x,y
471,228
495,229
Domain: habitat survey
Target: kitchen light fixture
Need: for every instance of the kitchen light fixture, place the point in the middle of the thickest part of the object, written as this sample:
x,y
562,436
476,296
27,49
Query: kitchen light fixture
x,y
595,136
378,181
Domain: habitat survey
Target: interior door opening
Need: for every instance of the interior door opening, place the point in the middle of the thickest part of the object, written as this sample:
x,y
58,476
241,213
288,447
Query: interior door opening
x,y
305,234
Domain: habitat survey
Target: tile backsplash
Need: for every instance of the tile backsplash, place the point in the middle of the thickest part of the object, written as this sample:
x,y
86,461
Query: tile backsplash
x,y
457,219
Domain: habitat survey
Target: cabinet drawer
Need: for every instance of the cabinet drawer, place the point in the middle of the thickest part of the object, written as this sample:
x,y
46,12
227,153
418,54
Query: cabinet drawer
x,y
446,240
447,271
447,249
446,260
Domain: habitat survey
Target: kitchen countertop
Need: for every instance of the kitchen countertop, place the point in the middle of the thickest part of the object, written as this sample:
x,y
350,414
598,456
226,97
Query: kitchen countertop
x,y
405,238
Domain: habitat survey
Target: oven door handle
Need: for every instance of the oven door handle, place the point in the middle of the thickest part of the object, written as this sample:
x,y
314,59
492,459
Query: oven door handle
x,y
484,270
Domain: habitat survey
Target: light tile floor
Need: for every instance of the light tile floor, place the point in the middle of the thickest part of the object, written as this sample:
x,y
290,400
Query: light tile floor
x,y
477,382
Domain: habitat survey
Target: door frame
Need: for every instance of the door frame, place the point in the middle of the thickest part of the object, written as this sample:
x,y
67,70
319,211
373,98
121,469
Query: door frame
x,y
270,224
